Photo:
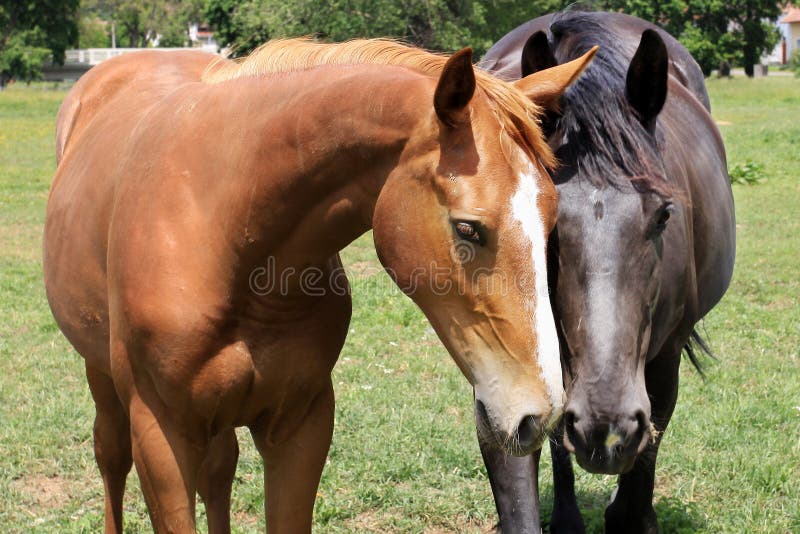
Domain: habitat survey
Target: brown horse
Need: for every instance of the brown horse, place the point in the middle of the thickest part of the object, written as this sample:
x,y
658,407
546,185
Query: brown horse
x,y
643,249
182,177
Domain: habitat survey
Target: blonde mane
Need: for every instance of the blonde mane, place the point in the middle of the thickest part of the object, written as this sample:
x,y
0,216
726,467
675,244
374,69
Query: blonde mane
x,y
517,114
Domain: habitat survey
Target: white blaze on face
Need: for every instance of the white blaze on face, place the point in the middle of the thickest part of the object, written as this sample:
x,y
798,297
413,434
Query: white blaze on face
x,y
525,209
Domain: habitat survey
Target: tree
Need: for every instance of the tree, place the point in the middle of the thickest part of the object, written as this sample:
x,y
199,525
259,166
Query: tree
x,y
743,28
502,16
92,32
139,22
669,14
736,31
33,31
432,24
175,31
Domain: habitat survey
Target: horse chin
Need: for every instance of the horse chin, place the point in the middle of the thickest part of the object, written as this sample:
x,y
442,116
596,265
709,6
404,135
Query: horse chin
x,y
515,445
604,466
598,463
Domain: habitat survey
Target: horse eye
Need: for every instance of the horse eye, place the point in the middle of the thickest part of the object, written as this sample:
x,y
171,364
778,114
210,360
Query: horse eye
x,y
663,217
467,231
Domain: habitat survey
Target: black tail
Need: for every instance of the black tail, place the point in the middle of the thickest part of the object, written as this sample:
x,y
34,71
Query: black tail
x,y
694,346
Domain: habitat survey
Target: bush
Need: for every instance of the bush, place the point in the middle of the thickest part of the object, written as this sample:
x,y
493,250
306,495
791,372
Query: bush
x,y
92,33
794,62
749,173
22,56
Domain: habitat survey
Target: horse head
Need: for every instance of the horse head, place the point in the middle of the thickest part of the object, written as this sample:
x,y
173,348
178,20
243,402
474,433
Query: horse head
x,y
613,212
461,225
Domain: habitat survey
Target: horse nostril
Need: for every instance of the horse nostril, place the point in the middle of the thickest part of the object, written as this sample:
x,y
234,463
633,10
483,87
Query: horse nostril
x,y
527,432
569,420
644,424
480,410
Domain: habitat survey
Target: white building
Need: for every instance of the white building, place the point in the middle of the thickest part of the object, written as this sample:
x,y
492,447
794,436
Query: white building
x,y
202,37
789,26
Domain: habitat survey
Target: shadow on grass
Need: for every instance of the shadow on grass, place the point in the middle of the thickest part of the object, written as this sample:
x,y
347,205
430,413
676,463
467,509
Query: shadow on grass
x,y
674,516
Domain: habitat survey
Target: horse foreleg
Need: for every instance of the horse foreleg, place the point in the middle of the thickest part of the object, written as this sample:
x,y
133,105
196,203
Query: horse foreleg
x,y
292,468
515,486
215,481
112,445
632,509
566,516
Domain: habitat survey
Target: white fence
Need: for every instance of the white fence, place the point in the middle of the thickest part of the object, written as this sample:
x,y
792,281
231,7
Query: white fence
x,y
95,56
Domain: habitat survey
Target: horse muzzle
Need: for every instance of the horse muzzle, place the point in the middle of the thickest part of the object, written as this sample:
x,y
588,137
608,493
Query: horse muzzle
x,y
603,445
523,435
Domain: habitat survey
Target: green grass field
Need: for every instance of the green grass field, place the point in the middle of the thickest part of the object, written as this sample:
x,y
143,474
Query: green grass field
x,y
404,456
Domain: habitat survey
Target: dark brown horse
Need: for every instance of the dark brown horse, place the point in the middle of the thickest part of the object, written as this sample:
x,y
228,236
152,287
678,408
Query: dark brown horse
x,y
644,248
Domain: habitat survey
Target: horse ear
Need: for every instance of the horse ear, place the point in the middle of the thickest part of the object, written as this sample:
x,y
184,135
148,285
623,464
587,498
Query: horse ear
x,y
545,87
646,82
455,88
537,54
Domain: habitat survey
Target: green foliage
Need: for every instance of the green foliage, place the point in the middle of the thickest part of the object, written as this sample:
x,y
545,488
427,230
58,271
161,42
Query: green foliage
x,y
139,22
794,63
740,29
736,31
174,33
748,173
704,50
432,24
23,56
236,25
502,16
708,49
30,32
92,33
669,14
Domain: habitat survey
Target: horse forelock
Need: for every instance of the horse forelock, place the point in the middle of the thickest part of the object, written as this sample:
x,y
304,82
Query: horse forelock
x,y
518,115
604,136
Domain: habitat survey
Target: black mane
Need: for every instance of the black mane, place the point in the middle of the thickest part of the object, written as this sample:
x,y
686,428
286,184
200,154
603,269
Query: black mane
x,y
603,137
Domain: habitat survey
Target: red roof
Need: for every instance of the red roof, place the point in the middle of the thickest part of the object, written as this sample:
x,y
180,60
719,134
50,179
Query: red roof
x,y
792,15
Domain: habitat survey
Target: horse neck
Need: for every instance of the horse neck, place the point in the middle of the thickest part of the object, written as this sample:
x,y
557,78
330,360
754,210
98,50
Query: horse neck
x,y
322,153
